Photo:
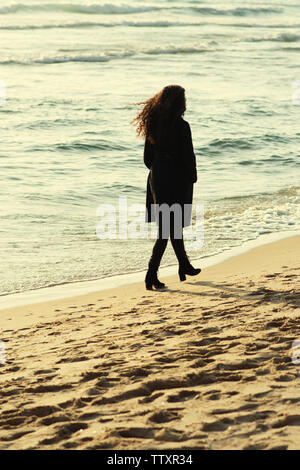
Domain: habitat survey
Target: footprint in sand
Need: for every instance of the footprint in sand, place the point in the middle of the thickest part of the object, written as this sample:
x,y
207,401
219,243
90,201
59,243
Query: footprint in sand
x,y
150,399
73,359
45,371
289,420
40,411
272,275
145,302
217,425
48,388
163,416
213,395
64,431
170,435
138,432
210,330
136,372
183,395
53,419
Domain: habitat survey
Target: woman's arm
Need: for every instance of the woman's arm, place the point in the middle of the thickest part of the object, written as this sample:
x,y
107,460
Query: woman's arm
x,y
188,153
148,154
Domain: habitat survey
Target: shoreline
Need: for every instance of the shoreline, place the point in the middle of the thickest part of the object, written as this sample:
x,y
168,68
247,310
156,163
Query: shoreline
x,y
79,288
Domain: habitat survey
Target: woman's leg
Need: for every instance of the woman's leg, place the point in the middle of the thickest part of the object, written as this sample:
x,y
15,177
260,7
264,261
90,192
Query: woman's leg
x,y
154,262
179,249
177,241
176,237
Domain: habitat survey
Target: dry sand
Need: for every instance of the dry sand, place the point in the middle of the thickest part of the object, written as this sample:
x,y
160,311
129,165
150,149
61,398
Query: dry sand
x,y
206,364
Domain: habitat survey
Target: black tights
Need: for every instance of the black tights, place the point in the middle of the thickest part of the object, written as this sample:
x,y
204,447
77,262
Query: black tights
x,y
161,244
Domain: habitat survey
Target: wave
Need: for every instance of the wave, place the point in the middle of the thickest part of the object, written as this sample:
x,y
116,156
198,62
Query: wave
x,y
276,138
94,24
283,37
65,59
218,145
49,123
228,142
272,159
265,26
293,49
156,24
176,50
104,57
86,146
288,191
105,9
124,8
239,11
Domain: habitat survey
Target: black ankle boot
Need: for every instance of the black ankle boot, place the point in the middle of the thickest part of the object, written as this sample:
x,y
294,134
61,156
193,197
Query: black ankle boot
x,y
187,269
151,280
185,266
157,254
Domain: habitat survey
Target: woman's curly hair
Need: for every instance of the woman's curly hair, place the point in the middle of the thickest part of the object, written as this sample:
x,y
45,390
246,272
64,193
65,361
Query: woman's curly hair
x,y
159,114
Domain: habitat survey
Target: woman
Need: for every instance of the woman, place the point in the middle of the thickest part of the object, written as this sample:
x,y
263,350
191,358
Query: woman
x,y
169,155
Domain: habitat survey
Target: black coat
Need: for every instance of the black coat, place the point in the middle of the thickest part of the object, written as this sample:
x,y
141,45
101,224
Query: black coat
x,y
172,172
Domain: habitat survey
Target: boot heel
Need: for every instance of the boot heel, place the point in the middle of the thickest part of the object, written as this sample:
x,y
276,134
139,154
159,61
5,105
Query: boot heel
x,y
182,275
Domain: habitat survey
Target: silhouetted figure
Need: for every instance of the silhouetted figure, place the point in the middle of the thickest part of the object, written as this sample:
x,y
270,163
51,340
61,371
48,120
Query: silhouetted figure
x,y
169,155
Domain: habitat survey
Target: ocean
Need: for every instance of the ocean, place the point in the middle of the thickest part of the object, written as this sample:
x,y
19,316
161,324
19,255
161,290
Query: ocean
x,y
70,73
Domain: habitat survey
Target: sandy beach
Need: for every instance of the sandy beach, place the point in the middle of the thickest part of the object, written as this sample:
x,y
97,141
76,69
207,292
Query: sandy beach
x,y
206,364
